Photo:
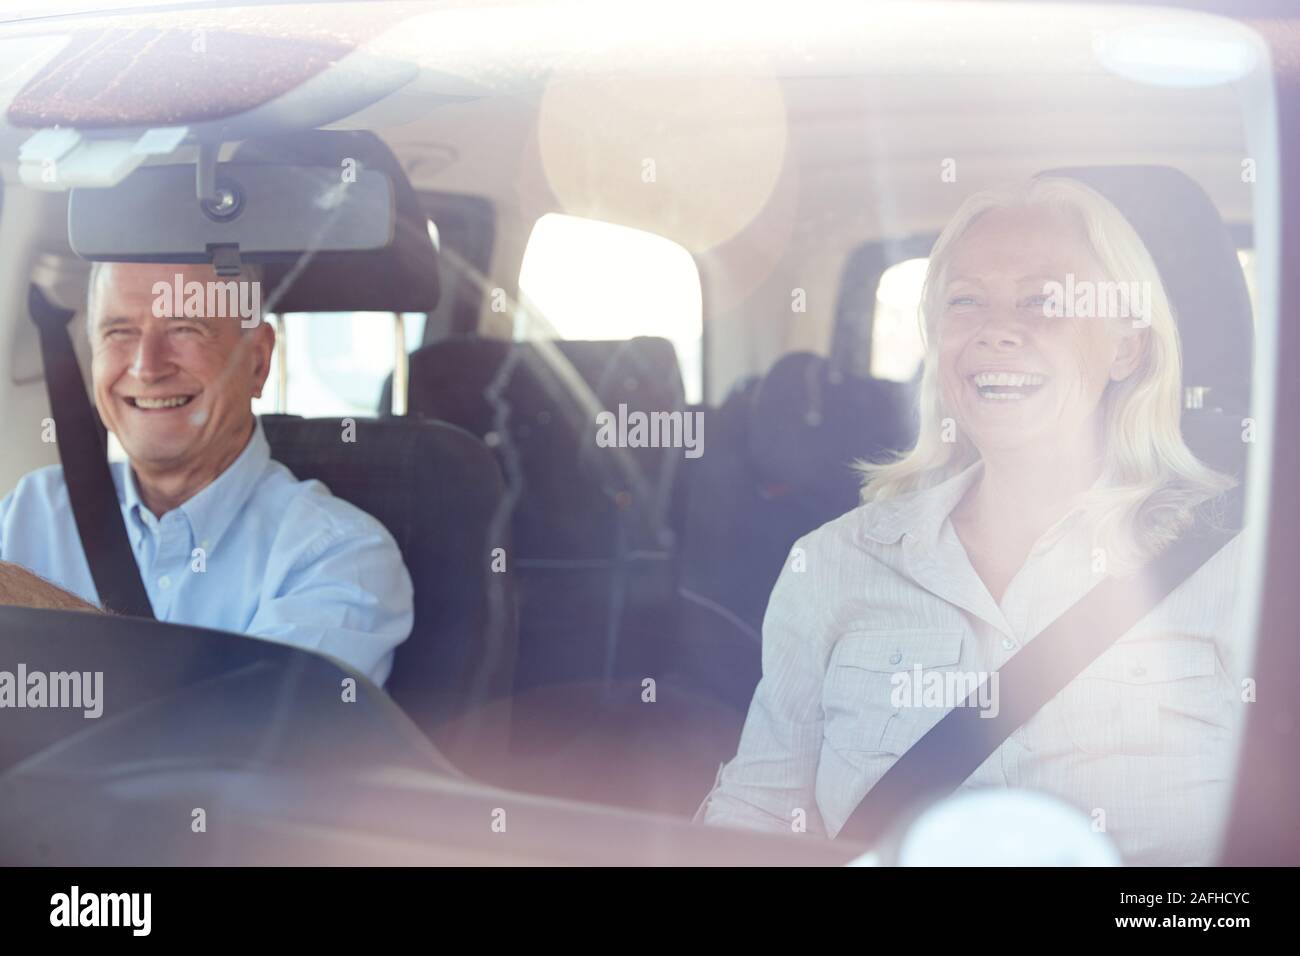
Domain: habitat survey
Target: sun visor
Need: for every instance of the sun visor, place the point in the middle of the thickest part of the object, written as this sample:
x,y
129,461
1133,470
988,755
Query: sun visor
x,y
224,77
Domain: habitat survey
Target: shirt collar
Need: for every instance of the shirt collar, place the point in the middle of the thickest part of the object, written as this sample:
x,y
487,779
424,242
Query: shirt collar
x,y
211,511
920,513
936,559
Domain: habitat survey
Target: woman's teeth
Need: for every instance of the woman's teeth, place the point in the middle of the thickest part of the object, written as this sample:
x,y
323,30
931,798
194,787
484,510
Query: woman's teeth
x,y
1017,379
1007,386
1002,396
153,403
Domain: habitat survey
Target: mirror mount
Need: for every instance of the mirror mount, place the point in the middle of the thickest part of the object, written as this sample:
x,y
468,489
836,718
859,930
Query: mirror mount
x,y
225,259
205,173
220,201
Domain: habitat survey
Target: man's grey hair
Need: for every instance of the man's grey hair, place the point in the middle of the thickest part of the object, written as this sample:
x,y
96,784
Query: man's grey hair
x,y
248,272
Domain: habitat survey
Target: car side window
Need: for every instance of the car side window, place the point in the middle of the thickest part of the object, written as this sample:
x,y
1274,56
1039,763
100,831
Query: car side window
x,y
335,363
896,346
596,280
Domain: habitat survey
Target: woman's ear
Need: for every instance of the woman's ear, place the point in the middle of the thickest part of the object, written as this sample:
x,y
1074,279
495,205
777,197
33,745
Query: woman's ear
x,y
1132,346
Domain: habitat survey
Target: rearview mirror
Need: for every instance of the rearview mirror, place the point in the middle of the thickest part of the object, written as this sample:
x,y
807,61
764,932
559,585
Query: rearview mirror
x,y
267,211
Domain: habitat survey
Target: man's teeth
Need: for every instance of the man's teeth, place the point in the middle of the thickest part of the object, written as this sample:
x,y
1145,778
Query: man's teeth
x,y
176,402
1013,379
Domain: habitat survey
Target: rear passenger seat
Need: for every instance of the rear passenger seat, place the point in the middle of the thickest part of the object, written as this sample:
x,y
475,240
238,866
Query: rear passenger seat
x,y
778,466
588,523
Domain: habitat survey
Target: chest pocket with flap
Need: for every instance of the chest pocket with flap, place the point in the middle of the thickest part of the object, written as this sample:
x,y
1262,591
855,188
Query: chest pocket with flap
x,y
1159,696
865,681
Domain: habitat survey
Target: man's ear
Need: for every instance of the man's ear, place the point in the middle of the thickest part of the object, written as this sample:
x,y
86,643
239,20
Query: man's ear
x,y
263,345
1129,352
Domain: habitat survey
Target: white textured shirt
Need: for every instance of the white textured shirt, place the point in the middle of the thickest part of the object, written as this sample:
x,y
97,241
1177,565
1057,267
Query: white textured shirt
x,y
1141,741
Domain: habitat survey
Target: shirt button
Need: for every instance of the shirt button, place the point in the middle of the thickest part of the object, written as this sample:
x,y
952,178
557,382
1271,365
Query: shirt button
x,y
164,582
1008,643
1137,670
895,658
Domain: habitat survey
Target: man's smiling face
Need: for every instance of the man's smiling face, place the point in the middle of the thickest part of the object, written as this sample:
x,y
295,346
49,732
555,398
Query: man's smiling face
x,y
175,391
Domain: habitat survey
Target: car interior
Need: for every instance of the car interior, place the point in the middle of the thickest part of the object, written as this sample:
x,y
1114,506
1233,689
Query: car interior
x,y
667,216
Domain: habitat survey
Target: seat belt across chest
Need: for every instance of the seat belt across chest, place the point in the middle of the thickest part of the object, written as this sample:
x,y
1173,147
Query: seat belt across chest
x,y
83,452
963,739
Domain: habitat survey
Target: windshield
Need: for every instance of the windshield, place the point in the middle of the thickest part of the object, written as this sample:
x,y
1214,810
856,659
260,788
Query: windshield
x,y
687,422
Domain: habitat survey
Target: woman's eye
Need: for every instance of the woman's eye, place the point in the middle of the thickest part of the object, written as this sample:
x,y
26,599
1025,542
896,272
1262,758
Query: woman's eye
x,y
961,300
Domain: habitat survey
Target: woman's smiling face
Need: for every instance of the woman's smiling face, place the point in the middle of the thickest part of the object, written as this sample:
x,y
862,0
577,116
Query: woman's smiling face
x,y
1011,376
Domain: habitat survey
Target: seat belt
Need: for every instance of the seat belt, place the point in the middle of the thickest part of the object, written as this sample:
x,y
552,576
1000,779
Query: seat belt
x,y
83,452
954,748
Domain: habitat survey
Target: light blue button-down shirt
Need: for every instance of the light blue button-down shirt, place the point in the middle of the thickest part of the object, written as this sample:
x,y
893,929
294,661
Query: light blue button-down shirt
x,y
257,552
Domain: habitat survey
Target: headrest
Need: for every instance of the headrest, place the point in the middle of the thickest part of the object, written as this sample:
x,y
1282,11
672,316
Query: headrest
x,y
465,379
400,278
449,377
1198,265
641,371
808,424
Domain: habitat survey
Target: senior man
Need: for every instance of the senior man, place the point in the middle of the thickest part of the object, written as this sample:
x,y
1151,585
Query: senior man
x,y
224,536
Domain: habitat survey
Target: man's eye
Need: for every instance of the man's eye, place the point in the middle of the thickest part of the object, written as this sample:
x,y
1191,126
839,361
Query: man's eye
x,y
185,329
1035,302
961,300
118,333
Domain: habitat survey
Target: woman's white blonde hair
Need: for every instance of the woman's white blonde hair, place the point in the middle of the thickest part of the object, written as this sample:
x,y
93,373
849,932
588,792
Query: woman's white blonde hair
x,y
1151,484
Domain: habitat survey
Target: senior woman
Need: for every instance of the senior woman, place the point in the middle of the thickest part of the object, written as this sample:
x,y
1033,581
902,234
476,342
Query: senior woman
x,y
1049,455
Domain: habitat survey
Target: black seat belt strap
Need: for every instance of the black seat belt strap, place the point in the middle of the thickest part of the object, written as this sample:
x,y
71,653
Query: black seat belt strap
x,y
963,739
83,452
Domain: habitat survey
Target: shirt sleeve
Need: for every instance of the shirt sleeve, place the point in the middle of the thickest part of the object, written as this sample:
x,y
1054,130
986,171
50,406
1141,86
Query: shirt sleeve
x,y
4,513
346,594
1216,589
773,775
